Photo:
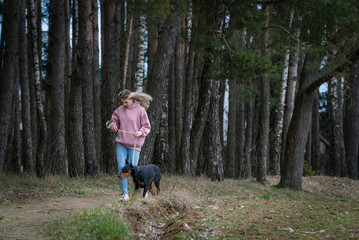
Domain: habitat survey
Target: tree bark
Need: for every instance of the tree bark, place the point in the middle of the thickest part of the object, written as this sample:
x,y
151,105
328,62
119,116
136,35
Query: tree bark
x,y
316,160
153,38
337,151
205,92
215,145
27,145
76,155
108,89
172,163
291,87
13,155
57,141
127,47
188,115
141,54
264,109
351,123
85,56
179,67
159,77
8,75
40,111
96,82
231,134
275,162
247,173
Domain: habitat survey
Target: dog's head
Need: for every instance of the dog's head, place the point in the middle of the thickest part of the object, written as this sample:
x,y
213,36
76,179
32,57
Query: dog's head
x,y
126,171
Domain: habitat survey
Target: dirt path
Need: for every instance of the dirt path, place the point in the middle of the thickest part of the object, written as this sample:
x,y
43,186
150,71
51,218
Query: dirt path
x,y
28,220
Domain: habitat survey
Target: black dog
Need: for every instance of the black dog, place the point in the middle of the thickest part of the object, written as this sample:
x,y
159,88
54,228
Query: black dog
x,y
143,176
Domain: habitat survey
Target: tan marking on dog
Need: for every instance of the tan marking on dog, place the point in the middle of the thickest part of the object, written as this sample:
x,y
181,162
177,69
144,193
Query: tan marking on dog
x,y
124,175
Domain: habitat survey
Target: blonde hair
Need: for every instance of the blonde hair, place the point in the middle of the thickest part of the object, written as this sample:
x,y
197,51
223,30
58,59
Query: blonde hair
x,y
143,98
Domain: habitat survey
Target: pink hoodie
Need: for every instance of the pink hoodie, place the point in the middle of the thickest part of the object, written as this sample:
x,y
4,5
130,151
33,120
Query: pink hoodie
x,y
133,119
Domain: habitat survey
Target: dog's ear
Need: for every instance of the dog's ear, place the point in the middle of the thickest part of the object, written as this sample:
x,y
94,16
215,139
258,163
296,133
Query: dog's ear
x,y
131,165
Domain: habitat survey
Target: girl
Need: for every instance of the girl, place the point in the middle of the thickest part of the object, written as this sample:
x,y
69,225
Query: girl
x,y
130,120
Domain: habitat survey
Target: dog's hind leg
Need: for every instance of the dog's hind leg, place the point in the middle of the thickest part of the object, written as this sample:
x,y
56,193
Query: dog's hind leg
x,y
157,183
151,190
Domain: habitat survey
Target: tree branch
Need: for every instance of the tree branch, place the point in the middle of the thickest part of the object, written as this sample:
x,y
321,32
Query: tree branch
x,y
285,30
325,141
331,70
221,35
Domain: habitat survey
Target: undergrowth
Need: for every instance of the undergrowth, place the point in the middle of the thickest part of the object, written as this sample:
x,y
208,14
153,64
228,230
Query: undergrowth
x,y
197,208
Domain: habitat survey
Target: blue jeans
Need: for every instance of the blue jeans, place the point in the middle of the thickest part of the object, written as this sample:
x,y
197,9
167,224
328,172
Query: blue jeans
x,y
124,154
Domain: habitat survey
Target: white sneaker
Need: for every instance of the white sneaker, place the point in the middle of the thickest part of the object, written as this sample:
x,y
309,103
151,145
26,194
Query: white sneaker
x,y
124,197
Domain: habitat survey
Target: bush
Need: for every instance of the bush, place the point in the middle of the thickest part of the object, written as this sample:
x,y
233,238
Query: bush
x,y
307,169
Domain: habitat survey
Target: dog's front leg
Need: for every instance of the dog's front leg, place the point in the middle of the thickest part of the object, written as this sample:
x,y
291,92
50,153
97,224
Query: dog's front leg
x,y
137,186
145,188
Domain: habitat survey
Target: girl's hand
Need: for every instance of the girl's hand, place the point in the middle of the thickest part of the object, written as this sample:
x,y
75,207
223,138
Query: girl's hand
x,y
114,128
137,134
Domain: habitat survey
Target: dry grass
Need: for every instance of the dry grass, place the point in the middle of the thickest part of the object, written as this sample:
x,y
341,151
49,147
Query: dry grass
x,y
197,208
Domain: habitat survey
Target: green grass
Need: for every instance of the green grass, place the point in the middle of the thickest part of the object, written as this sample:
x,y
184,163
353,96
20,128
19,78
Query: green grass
x,y
96,223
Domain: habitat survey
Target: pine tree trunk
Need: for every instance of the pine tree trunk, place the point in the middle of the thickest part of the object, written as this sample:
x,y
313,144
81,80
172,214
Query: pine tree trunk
x,y
108,89
188,115
41,148
247,173
215,146
96,82
27,146
239,163
33,107
131,68
159,77
75,148
291,87
38,14
205,92
153,38
120,39
171,108
264,109
292,166
8,74
85,56
58,90
67,68
316,161
179,67
162,156
75,142
351,123
13,155
127,49
337,152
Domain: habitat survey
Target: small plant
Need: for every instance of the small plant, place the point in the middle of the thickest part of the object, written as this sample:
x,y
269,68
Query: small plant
x,y
265,196
307,169
95,223
80,192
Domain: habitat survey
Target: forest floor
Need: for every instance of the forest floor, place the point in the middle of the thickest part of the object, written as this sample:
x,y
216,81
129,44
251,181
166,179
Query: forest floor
x,y
188,208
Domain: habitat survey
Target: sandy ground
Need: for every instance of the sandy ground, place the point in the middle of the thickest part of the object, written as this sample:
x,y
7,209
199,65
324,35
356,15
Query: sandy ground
x,y
29,219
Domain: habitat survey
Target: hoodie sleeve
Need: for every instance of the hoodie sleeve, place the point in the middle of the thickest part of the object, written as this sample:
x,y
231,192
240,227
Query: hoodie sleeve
x,y
114,120
145,123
